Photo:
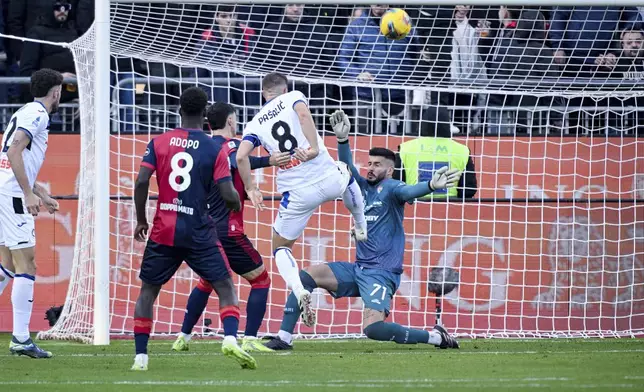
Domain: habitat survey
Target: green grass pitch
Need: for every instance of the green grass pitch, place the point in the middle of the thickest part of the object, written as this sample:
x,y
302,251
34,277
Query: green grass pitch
x,y
354,365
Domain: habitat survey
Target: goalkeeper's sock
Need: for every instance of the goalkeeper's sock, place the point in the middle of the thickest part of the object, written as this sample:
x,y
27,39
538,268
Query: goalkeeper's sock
x,y
287,267
391,331
142,329
354,202
291,315
6,276
196,305
292,309
229,316
22,299
256,307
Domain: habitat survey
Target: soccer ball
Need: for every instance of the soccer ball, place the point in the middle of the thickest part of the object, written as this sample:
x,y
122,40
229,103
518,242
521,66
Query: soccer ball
x,y
395,24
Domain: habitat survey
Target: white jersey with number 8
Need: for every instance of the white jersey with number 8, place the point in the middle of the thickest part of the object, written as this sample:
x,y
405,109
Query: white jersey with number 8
x,y
277,128
33,120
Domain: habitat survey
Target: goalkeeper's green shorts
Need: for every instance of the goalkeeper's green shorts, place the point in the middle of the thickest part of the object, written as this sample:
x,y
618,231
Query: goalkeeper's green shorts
x,y
376,287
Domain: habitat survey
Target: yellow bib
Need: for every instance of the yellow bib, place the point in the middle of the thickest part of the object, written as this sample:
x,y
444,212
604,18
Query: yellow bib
x,y
423,156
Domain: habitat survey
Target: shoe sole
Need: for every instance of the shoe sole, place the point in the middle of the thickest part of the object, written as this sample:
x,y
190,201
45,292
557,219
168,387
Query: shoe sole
x,y
308,314
21,353
245,361
184,348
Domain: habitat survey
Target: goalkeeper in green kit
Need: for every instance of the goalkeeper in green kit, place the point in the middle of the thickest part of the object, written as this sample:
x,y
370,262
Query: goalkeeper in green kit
x,y
375,276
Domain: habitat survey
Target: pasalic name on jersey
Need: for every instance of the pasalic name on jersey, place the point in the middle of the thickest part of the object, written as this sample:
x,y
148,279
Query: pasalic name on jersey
x,y
272,113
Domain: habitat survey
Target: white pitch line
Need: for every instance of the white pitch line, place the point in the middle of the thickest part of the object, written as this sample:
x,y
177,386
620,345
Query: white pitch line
x,y
355,353
399,384
198,340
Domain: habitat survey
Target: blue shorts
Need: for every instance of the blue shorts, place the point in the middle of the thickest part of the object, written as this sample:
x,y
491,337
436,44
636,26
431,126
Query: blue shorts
x,y
376,287
161,262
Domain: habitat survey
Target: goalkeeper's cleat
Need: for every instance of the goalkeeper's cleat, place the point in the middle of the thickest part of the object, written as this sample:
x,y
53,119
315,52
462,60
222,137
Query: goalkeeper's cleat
x,y
140,363
308,313
252,344
28,348
232,350
277,344
447,341
180,344
360,234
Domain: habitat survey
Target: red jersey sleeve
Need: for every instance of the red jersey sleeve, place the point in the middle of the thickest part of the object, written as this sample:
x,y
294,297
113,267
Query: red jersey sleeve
x,y
222,166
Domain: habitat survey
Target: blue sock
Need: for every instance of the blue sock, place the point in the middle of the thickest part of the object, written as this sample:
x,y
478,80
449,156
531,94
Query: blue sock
x,y
292,308
196,305
141,342
391,331
229,316
255,310
142,329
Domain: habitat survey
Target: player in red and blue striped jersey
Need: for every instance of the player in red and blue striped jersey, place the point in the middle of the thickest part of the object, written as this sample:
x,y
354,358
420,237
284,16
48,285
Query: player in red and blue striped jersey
x,y
244,259
188,164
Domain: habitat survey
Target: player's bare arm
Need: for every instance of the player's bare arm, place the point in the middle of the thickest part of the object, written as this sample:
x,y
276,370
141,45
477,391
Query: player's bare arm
x,y
276,159
20,141
243,166
230,195
141,189
51,204
279,158
310,133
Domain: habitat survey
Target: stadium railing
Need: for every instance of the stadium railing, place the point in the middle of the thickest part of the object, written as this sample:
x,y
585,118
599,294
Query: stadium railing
x,y
612,120
592,117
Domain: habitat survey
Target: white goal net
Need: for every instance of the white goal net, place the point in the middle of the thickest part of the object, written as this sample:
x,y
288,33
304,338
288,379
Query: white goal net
x,y
549,101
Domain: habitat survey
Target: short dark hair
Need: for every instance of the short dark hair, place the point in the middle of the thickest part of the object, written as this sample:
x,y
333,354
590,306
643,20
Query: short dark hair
x,y
273,80
43,80
383,152
218,113
193,101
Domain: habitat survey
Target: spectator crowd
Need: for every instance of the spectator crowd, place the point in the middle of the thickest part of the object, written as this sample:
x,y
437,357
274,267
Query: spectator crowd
x,y
450,45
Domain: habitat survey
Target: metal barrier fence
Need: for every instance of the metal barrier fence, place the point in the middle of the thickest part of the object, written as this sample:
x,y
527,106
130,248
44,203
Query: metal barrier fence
x,y
141,114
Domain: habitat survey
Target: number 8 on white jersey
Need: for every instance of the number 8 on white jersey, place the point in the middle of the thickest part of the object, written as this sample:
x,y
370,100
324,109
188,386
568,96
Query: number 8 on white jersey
x,y
277,128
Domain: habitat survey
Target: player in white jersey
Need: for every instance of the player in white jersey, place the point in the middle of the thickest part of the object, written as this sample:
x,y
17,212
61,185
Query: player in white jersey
x,y
24,144
311,178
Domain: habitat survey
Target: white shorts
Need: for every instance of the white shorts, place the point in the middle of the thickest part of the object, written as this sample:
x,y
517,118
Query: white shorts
x,y
17,230
298,205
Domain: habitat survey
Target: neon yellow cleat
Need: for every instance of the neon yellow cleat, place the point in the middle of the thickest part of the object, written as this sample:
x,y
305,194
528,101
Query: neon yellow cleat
x,y
232,350
252,344
180,344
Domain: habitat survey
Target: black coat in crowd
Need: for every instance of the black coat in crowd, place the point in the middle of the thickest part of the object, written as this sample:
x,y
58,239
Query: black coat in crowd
x,y
36,56
22,15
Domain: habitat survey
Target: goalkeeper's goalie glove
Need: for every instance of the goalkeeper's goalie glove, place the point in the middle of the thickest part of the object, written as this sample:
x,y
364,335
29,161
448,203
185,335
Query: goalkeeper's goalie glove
x,y
445,178
341,125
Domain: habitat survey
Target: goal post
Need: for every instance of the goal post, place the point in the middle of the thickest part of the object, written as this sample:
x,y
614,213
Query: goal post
x,y
102,179
552,244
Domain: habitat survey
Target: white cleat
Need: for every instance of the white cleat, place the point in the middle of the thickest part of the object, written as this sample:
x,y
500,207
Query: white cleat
x,y
140,362
359,234
308,313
